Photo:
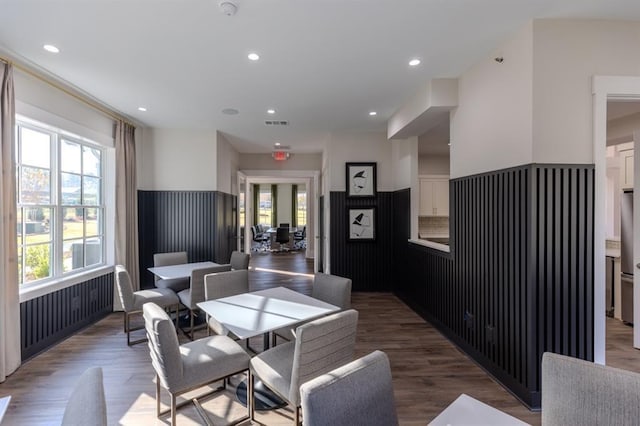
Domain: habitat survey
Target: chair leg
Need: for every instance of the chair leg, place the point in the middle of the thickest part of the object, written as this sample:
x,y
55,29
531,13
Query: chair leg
x,y
157,396
126,328
191,336
250,397
125,321
297,416
177,315
173,410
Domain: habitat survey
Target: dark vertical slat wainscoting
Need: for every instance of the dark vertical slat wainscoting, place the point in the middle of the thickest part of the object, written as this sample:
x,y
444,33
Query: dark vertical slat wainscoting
x,y
48,319
367,263
202,223
519,279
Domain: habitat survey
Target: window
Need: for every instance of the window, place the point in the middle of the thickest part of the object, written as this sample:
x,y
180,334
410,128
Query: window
x,y
60,207
301,207
264,208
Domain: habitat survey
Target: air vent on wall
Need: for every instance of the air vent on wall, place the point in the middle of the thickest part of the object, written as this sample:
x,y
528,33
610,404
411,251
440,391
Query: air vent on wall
x,y
276,123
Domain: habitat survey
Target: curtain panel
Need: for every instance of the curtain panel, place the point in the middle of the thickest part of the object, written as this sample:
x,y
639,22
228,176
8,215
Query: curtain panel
x,y
294,205
274,206
126,238
9,287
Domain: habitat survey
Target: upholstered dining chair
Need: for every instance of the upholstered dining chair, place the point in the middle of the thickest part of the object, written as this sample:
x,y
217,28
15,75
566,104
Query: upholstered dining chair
x,y
357,394
167,259
132,301
320,346
332,289
579,392
187,367
239,260
195,293
224,284
86,404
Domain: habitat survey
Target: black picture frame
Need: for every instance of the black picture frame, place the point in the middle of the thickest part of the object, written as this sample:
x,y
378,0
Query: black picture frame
x,y
360,180
361,224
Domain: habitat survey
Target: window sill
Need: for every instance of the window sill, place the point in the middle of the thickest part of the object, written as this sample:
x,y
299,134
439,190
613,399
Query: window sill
x,y
37,290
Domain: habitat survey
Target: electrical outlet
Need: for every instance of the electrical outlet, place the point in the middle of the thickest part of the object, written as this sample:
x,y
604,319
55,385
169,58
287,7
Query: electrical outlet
x,y
490,333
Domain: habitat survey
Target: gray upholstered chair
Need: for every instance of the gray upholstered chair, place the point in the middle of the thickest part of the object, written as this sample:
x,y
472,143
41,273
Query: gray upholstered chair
x,y
195,293
167,259
183,368
578,392
224,284
86,404
357,394
328,288
132,301
239,260
320,346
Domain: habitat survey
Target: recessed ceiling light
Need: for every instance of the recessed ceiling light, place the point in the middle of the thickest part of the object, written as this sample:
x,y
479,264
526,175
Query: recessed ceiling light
x,y
253,56
143,109
271,111
414,62
230,111
51,48
372,113
277,144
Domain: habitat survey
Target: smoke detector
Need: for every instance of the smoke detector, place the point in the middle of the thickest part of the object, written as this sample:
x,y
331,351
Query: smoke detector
x,y
228,8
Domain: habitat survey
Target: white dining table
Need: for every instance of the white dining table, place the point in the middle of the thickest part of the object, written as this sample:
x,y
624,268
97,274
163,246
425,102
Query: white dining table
x,y
4,404
178,271
252,314
468,411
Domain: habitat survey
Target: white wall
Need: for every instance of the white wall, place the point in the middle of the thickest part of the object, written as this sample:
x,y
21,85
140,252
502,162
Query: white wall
x,y
567,54
360,147
405,165
178,159
433,165
284,204
227,166
492,127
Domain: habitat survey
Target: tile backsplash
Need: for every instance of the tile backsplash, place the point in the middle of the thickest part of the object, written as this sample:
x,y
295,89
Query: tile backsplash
x,y
433,225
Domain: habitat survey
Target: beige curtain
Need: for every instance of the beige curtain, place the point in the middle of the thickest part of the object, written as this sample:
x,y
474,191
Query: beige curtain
x,y
9,291
126,205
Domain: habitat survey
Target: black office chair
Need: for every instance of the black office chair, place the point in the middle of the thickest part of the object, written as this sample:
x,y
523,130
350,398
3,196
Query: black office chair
x,y
282,237
284,225
300,238
260,238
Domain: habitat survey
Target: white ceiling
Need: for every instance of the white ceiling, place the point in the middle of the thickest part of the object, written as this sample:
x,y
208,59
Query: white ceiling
x,y
324,63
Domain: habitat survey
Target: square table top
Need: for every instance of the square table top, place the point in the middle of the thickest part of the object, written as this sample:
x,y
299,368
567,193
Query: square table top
x,y
4,404
179,271
468,411
251,314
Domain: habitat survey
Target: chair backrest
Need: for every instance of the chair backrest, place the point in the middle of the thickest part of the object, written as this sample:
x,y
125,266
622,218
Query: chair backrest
x,y
282,235
197,282
332,289
284,225
578,392
322,345
163,345
125,288
172,258
239,260
86,404
359,393
224,284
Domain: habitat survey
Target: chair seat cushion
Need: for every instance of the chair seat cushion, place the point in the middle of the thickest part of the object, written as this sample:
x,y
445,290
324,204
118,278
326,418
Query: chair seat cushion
x,y
162,297
210,358
274,367
185,297
175,284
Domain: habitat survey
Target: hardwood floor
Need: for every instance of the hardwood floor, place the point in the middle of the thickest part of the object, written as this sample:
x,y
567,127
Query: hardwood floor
x,y
428,371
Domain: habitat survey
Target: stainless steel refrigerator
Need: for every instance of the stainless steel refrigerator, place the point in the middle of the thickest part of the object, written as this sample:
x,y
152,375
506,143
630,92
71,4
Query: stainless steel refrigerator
x,y
626,255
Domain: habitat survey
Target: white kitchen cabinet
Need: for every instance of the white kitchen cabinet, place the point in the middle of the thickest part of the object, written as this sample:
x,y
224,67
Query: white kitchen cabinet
x,y
626,169
434,196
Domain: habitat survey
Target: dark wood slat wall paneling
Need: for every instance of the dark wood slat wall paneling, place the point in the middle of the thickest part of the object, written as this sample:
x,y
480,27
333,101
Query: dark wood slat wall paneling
x,y
521,265
368,264
225,226
48,319
177,221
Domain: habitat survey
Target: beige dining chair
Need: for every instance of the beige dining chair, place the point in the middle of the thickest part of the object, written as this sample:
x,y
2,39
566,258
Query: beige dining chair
x,y
239,260
191,296
328,288
187,367
132,301
168,259
86,404
357,394
320,346
224,284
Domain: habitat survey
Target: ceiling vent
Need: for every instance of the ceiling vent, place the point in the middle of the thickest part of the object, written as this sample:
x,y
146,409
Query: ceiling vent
x,y
276,123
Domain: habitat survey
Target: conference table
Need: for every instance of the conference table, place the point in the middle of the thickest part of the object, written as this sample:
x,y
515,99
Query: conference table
x,y
258,313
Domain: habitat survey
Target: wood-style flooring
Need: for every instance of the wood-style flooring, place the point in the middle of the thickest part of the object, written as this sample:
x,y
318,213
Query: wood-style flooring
x,y
428,371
